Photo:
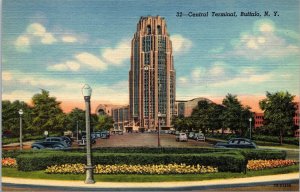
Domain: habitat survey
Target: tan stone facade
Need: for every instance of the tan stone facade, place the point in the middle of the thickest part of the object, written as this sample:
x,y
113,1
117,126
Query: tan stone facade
x,y
152,75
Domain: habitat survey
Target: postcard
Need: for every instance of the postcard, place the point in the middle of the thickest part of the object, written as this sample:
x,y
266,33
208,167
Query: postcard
x,y
134,73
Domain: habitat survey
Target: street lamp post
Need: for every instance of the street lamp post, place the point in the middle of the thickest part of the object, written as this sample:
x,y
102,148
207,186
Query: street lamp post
x,y
250,119
21,143
87,92
77,131
159,115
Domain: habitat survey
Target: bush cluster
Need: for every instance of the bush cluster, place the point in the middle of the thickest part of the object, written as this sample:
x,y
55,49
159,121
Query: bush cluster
x,y
250,154
165,150
133,169
275,139
229,161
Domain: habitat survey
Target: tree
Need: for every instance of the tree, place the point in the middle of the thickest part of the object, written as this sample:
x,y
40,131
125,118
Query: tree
x,y
47,114
279,111
200,116
11,117
105,122
232,113
215,112
235,116
76,116
207,116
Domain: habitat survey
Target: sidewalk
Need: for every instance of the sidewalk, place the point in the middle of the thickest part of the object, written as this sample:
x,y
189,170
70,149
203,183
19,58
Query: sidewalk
x,y
186,185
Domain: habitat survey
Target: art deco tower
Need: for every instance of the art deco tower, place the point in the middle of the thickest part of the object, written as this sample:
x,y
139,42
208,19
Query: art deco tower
x,y
152,74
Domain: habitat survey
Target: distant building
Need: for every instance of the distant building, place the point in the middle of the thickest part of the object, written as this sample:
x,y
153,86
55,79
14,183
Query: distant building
x,y
258,120
151,75
119,113
185,108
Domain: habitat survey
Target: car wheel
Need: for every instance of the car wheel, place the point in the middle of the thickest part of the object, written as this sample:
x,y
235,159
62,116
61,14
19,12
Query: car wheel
x,y
35,148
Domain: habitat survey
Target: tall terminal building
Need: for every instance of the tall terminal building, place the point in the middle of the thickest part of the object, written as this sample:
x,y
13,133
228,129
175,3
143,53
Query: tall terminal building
x,y
151,76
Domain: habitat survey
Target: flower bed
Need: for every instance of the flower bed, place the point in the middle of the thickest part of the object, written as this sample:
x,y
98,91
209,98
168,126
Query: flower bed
x,y
9,162
268,164
133,169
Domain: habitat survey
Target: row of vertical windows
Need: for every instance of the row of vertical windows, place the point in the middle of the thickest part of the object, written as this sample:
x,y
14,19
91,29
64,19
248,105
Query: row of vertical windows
x,y
149,30
136,79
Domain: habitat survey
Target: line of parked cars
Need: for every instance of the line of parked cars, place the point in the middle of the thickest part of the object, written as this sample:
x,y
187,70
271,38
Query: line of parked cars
x,y
62,142
94,136
180,136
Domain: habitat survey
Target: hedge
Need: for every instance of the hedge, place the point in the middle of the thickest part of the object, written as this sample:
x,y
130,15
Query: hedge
x,y
152,150
275,139
233,161
251,154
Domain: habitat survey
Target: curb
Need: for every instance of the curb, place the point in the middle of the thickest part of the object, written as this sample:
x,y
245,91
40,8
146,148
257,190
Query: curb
x,y
152,186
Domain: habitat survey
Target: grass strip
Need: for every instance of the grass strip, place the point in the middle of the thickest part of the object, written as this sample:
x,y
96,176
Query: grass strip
x,y
13,172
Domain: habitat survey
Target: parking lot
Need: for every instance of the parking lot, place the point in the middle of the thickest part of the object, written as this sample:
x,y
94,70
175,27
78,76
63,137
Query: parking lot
x,y
146,140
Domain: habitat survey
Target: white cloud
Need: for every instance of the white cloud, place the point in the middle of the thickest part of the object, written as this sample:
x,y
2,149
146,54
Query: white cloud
x,y
252,79
119,54
36,29
180,43
17,95
197,73
262,43
217,70
69,39
91,61
22,43
266,27
48,38
6,76
37,33
67,66
63,89
183,80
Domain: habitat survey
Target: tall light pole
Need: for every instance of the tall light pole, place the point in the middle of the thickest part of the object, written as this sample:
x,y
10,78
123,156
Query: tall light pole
x,y
77,131
159,115
21,143
250,119
87,92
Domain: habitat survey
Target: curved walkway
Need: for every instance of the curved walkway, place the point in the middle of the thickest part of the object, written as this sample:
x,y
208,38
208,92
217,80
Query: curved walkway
x,y
151,186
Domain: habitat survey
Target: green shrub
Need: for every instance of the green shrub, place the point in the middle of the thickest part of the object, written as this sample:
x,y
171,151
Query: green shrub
x,y
275,139
230,161
152,150
251,154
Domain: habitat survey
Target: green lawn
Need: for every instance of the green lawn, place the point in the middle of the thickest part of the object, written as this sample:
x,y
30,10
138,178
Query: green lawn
x,y
13,172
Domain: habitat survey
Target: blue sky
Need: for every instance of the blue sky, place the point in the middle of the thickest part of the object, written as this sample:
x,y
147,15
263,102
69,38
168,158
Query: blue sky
x,y
60,45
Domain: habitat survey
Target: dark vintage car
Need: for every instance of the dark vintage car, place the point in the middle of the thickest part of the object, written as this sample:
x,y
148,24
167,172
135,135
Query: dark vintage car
x,y
59,139
48,145
236,143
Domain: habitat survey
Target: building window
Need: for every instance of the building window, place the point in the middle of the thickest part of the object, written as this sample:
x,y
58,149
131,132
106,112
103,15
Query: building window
x,y
148,29
158,29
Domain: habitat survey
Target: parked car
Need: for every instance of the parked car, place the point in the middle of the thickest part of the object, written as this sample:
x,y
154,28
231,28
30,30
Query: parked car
x,y
48,145
58,139
199,137
181,137
191,135
236,143
83,140
68,140
104,135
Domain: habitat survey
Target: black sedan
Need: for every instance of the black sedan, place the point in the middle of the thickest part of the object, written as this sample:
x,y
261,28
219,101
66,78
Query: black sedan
x,y
237,143
48,145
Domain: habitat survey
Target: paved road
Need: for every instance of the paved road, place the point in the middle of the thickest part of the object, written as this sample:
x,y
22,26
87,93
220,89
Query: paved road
x,y
146,140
